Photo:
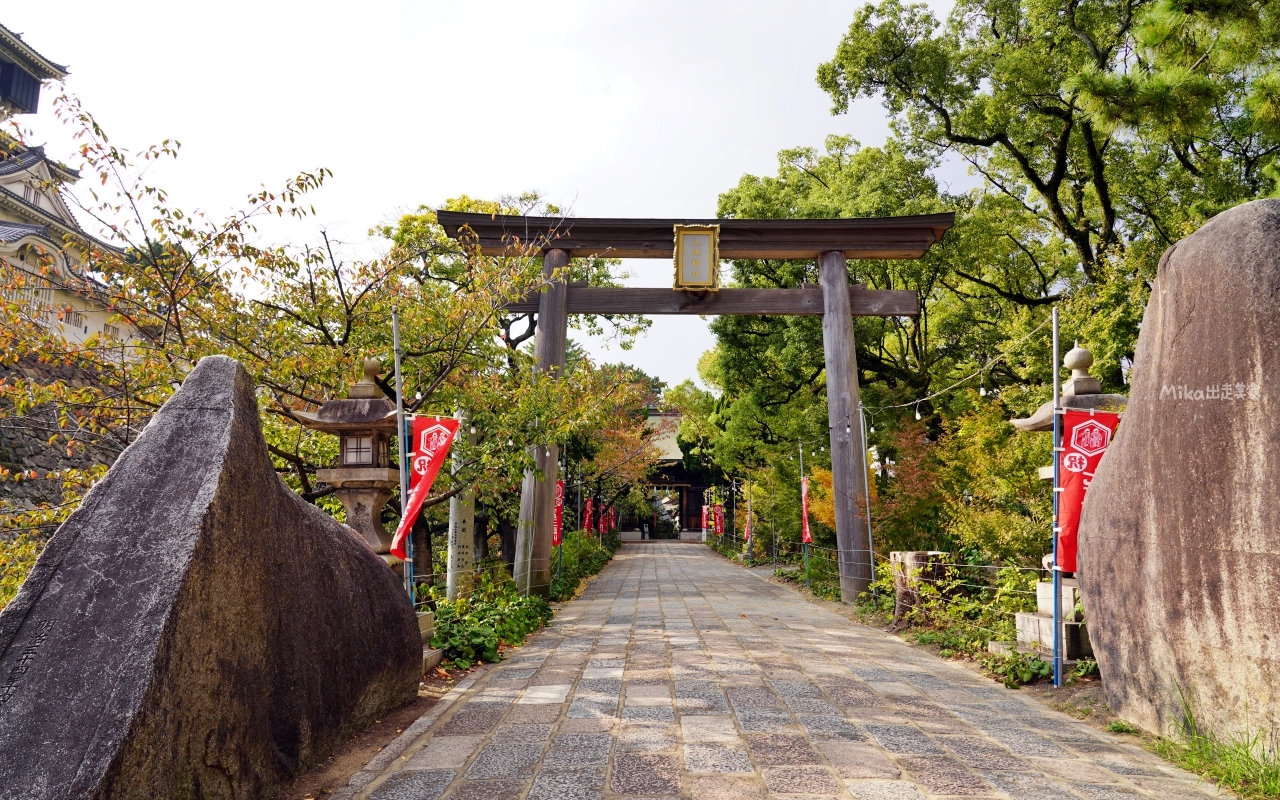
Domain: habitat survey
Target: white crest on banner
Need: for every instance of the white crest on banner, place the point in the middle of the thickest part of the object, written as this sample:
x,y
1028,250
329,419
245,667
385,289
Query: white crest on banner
x,y
1074,462
432,439
1090,437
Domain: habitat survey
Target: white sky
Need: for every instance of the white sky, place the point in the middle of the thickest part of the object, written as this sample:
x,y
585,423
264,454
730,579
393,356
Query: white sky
x,y
615,108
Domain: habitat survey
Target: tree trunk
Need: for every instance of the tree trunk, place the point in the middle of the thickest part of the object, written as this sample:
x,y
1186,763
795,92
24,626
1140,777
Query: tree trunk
x,y
423,567
911,568
482,538
507,544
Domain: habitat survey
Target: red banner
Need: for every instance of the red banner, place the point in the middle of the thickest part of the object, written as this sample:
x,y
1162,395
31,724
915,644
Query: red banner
x,y
586,515
704,518
432,437
719,514
557,530
1085,437
804,511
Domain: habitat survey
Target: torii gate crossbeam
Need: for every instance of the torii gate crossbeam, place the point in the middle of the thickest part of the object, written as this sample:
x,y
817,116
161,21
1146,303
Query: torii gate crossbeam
x,y
831,242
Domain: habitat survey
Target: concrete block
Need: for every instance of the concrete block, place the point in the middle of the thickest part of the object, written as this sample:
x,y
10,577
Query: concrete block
x,y
431,659
426,625
1070,595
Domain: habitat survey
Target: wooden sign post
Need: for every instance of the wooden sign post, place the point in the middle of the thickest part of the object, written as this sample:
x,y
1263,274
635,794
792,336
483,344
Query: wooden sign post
x,y
831,242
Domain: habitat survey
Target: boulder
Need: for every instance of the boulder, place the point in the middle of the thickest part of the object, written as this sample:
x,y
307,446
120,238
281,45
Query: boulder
x,y
1180,532
195,629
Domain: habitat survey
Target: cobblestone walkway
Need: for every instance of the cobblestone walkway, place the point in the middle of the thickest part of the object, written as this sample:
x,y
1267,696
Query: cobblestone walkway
x,y
678,674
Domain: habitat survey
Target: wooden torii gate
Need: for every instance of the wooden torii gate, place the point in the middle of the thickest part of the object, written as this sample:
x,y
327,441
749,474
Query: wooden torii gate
x,y
832,242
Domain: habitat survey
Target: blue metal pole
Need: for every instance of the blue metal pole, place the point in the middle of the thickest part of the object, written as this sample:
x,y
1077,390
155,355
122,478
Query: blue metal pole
x,y
1057,571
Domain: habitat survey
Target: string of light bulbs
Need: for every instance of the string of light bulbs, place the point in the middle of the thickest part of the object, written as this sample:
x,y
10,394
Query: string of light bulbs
x,y
848,428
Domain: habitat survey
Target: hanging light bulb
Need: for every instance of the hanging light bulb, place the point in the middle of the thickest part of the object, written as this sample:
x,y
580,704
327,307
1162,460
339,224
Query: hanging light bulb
x,y
548,452
510,443
848,429
473,430
873,428
982,391
917,411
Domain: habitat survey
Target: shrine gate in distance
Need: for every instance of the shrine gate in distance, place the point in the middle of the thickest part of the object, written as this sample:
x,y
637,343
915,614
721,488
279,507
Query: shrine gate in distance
x,y
831,242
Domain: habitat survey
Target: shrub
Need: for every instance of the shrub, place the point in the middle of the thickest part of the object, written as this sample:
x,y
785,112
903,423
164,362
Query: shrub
x,y
473,628
17,555
579,557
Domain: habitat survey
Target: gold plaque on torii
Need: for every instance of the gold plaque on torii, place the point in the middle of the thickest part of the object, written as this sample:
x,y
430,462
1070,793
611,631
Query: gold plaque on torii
x,y
697,257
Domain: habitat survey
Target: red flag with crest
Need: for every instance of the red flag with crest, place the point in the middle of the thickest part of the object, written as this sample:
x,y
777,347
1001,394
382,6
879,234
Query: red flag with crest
x,y
432,437
804,511
557,531
1085,437
586,515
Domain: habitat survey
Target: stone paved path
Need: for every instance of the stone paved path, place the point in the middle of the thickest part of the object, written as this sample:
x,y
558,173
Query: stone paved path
x,y
679,674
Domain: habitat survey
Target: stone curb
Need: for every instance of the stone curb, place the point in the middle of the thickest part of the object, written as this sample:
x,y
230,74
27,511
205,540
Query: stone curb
x,y
391,752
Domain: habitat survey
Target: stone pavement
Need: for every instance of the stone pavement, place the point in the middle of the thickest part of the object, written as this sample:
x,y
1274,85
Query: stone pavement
x,y
679,674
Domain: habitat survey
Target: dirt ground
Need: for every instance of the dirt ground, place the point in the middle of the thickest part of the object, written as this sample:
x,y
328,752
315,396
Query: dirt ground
x,y
326,778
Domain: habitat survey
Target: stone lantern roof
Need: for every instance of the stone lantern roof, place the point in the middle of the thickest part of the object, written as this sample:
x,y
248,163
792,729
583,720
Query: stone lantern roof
x,y
364,409
1081,392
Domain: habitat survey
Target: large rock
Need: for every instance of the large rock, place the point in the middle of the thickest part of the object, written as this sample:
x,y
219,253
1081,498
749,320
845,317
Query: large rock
x,y
1180,532
195,629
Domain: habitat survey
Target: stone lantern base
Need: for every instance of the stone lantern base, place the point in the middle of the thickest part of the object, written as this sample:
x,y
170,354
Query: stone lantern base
x,y
363,492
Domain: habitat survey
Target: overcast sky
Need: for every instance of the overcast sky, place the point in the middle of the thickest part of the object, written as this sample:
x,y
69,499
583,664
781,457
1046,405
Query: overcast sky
x,y
610,108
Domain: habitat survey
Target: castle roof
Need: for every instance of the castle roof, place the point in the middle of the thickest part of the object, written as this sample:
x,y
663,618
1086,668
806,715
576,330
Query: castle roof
x,y
13,48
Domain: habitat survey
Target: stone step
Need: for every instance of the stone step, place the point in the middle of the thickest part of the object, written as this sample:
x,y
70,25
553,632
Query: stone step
x,y
1036,630
1005,648
426,625
1070,595
431,659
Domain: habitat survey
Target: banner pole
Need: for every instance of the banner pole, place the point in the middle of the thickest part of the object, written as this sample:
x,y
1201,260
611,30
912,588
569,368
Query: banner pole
x,y
400,445
1057,571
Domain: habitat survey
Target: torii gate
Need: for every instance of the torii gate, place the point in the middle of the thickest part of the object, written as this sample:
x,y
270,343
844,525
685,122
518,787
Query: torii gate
x,y
832,242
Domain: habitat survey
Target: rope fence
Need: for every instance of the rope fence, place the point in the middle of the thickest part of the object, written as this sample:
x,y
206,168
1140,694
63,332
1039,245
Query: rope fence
x,y
959,605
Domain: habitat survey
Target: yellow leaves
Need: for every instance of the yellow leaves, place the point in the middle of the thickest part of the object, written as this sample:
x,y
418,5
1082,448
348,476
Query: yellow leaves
x,y
822,505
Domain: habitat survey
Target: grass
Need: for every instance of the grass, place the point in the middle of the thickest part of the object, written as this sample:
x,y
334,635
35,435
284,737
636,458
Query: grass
x,y
1245,763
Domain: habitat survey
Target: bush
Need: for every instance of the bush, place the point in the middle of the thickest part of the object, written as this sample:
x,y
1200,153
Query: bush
x,y
17,555
579,557
971,605
473,628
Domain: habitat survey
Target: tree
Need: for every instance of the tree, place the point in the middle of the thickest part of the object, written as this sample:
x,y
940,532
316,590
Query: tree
x,y
300,318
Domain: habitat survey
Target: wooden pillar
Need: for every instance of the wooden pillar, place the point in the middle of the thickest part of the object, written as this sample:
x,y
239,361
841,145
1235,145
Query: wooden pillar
x,y
549,346
848,450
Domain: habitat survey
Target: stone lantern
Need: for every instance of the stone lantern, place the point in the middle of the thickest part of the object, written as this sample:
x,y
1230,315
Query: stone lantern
x,y
1082,392
365,475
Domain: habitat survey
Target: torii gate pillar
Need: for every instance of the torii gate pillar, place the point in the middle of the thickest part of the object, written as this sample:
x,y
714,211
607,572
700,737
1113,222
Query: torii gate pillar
x,y
848,450
538,492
